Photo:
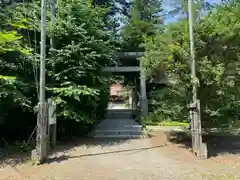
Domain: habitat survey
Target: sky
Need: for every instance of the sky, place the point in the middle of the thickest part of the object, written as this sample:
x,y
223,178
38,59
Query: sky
x,y
168,7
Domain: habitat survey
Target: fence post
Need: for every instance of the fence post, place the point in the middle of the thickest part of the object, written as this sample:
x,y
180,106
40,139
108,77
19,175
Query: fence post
x,y
52,124
198,147
202,147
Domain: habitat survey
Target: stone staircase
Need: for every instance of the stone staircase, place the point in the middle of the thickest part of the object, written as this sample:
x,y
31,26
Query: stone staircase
x,y
118,124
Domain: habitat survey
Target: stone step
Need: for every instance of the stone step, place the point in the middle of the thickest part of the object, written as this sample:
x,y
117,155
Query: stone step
x,y
115,134
107,119
119,122
120,110
117,126
119,114
118,136
127,130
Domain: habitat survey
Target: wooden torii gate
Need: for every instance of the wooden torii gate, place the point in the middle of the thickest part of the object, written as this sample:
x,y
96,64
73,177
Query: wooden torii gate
x,y
143,79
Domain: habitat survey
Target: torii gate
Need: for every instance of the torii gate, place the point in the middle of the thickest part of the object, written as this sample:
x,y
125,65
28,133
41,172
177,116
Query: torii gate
x,y
122,69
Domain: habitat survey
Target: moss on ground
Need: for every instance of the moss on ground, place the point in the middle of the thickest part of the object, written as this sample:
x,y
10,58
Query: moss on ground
x,y
167,123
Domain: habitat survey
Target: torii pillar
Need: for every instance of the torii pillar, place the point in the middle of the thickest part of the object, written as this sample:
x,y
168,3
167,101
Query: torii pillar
x,y
143,95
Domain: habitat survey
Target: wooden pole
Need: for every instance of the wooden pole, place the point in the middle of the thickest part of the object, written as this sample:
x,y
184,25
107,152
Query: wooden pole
x,y
41,140
143,95
51,123
198,147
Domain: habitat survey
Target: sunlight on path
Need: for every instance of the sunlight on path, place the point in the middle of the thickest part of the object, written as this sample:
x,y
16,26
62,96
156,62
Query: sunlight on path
x,y
117,106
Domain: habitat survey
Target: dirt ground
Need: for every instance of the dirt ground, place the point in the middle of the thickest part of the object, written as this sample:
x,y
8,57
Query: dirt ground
x,y
140,159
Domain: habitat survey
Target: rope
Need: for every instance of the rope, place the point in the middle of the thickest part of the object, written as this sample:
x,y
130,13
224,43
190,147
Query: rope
x,y
30,137
35,63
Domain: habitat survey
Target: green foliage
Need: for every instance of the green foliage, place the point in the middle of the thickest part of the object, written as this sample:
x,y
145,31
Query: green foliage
x,y
23,146
217,54
83,48
12,52
153,120
74,75
144,21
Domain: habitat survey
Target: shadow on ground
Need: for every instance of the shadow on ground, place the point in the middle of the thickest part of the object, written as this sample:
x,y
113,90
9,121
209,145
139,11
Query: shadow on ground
x,y
13,158
60,153
69,144
66,157
217,145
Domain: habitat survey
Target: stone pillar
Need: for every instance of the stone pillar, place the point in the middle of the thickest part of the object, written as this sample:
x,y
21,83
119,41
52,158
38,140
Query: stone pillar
x,y
134,98
143,95
130,100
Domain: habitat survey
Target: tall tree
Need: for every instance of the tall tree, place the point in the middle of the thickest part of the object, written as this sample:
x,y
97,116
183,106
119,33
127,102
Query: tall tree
x,y
117,11
217,54
144,21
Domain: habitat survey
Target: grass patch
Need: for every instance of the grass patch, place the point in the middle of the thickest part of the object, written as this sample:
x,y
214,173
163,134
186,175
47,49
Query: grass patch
x,y
167,123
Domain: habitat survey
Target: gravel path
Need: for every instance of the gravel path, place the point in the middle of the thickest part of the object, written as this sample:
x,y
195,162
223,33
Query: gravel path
x,y
140,159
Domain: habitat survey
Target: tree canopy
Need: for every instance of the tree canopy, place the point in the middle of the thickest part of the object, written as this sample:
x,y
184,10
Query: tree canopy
x,y
74,74
217,55
144,21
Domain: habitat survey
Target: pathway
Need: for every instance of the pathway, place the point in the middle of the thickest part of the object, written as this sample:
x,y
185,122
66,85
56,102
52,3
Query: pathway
x,y
138,159
124,159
